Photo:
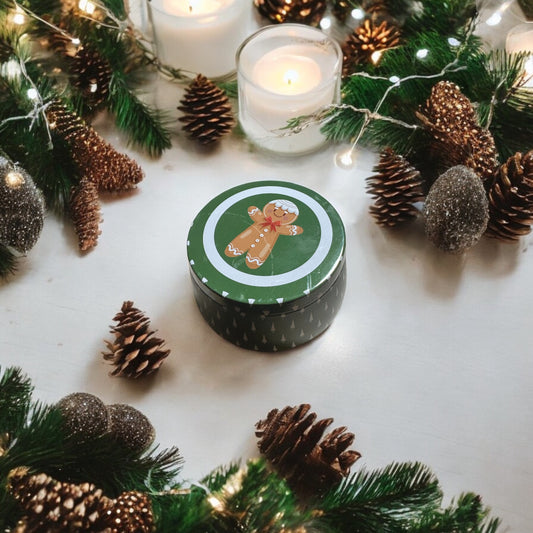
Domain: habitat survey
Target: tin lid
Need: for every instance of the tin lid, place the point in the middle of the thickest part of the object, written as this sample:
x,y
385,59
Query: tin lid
x,y
266,242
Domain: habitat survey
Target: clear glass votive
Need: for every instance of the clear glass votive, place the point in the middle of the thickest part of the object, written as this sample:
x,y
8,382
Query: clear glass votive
x,y
286,71
199,36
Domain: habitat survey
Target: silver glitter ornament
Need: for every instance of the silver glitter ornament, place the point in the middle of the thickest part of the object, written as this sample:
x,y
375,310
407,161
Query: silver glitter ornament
x,y
21,207
130,427
84,415
456,210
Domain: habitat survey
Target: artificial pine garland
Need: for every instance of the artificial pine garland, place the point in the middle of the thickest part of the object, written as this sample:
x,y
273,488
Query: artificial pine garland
x,y
42,462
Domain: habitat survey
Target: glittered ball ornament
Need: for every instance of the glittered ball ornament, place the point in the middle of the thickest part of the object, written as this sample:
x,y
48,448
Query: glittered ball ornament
x,y
21,208
85,416
456,210
130,428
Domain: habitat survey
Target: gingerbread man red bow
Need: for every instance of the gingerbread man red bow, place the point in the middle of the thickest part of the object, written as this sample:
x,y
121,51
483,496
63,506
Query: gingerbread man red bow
x,y
259,239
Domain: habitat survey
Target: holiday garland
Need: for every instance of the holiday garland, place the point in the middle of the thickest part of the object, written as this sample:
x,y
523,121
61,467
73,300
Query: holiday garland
x,y
79,465
61,65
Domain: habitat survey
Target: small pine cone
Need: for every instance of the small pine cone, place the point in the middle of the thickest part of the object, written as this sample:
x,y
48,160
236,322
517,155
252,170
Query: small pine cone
x,y
95,159
511,199
131,512
371,36
292,441
207,111
396,187
55,506
308,12
92,75
135,351
458,139
85,214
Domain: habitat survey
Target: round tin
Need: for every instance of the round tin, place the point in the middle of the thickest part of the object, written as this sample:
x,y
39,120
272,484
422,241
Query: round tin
x,y
267,262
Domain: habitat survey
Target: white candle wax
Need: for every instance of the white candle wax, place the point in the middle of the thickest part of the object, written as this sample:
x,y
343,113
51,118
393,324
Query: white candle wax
x,y
199,35
520,39
288,80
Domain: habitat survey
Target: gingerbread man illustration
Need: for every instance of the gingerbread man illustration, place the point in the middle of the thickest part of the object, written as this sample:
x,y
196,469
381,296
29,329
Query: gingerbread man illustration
x,y
259,239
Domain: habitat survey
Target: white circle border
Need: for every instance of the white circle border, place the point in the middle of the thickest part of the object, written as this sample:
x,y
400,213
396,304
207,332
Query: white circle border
x,y
321,252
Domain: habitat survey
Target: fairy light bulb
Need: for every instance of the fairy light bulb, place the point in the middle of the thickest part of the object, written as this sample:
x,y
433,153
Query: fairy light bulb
x,y
376,56
75,41
14,179
87,6
19,17
394,79
345,159
422,53
325,23
32,94
357,14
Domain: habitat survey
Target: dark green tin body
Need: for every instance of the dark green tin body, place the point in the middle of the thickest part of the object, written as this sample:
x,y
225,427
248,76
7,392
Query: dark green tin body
x,y
260,281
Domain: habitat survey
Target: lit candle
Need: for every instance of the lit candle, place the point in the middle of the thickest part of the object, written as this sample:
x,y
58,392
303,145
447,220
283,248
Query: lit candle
x,y
198,35
285,72
520,39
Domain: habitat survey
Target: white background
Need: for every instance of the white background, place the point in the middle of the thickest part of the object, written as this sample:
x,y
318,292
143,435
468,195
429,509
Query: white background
x,y
429,358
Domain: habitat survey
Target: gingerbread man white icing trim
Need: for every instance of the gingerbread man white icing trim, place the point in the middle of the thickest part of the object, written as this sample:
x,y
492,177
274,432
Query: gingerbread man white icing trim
x,y
259,238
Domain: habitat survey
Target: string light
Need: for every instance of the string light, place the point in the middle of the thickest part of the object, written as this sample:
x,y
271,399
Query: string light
x,y
357,14
376,56
345,159
87,6
18,16
325,23
14,179
32,93
422,53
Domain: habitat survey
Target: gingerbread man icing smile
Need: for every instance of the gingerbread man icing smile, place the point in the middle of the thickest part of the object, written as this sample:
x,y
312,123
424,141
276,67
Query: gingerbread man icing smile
x,y
259,238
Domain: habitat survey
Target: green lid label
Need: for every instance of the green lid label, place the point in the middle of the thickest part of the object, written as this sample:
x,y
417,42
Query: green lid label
x,y
266,242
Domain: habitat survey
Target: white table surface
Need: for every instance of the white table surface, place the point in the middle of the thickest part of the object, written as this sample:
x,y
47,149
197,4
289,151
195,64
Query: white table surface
x,y
429,358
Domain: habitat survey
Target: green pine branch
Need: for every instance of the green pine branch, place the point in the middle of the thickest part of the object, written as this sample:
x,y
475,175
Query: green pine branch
x,y
145,125
383,500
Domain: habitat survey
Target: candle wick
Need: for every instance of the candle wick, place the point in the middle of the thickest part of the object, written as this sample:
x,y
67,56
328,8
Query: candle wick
x,y
190,8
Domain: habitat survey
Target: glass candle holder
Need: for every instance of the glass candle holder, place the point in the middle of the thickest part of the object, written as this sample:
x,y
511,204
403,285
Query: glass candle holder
x,y
520,39
286,71
198,35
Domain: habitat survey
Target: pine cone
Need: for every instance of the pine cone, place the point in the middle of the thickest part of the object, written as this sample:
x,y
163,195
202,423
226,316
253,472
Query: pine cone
x,y
55,506
396,187
92,75
85,213
458,139
131,512
95,159
308,12
511,199
208,115
135,352
371,36
291,441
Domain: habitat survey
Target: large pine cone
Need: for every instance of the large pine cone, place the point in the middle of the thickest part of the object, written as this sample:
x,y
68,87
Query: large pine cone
x,y
207,111
291,439
371,36
458,139
92,76
53,506
396,187
511,199
94,158
135,352
308,12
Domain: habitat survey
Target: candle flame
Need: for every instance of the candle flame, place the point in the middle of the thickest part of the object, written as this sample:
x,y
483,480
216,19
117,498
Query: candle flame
x,y
290,76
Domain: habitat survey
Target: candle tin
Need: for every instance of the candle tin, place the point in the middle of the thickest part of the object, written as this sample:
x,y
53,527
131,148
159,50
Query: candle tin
x,y
267,262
